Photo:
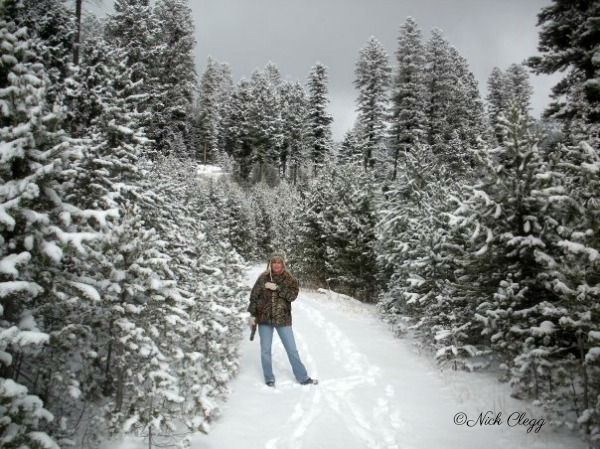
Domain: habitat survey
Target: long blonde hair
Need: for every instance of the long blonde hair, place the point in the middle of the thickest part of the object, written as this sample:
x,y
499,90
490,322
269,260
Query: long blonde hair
x,y
269,270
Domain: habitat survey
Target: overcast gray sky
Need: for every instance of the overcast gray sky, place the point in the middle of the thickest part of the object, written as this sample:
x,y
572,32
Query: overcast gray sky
x,y
294,34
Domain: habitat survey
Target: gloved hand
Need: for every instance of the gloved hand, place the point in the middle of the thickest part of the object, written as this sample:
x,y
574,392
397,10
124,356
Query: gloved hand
x,y
271,286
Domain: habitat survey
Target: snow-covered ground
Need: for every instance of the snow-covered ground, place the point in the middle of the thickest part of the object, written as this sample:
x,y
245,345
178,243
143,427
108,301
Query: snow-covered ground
x,y
375,392
209,171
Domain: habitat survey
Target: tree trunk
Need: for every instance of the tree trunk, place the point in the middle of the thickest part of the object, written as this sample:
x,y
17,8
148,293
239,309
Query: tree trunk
x,y
77,45
584,378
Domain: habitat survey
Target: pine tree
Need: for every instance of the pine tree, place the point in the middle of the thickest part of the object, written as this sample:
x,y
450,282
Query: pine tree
x,y
456,112
372,81
209,118
350,234
175,75
502,282
294,118
468,115
504,89
408,219
224,98
239,141
409,93
441,82
497,101
198,229
309,252
266,122
86,89
558,363
35,153
130,30
319,119
568,41
351,152
519,88
52,23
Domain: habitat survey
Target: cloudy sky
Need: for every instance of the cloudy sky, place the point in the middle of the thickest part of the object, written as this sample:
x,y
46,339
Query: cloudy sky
x,y
294,34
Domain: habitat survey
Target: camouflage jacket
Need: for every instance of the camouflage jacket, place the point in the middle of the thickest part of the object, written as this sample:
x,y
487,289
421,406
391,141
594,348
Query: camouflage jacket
x,y
274,307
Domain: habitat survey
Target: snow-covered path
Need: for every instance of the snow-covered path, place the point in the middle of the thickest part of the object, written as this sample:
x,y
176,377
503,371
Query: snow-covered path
x,y
375,392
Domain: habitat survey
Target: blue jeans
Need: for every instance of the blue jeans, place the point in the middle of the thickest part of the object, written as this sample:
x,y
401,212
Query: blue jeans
x,y
265,331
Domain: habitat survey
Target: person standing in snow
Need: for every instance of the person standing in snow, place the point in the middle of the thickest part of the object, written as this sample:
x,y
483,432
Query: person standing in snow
x,y
271,308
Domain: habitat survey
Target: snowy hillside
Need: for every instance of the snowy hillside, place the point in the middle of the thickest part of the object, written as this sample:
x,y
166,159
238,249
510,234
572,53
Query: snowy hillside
x,y
375,392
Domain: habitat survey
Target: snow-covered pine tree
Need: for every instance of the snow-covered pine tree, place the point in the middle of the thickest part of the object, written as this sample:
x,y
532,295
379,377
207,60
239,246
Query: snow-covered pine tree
x,y
278,230
273,75
468,115
372,79
208,121
350,234
262,205
442,80
266,123
52,22
350,147
497,101
314,218
294,116
197,227
559,364
242,228
35,153
519,88
408,121
500,227
85,93
505,88
143,324
319,119
409,220
130,29
226,90
175,74
126,268
568,41
239,141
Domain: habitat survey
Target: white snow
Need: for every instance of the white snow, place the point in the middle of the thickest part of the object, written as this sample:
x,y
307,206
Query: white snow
x,y
577,248
545,328
209,171
375,392
9,388
5,218
28,338
87,290
44,440
74,238
593,355
52,250
9,150
11,287
594,335
8,264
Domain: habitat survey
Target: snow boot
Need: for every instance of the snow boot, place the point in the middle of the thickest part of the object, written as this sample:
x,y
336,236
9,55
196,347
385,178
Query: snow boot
x,y
309,381
271,384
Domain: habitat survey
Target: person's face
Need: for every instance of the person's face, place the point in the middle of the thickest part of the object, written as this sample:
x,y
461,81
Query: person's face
x,y
277,266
